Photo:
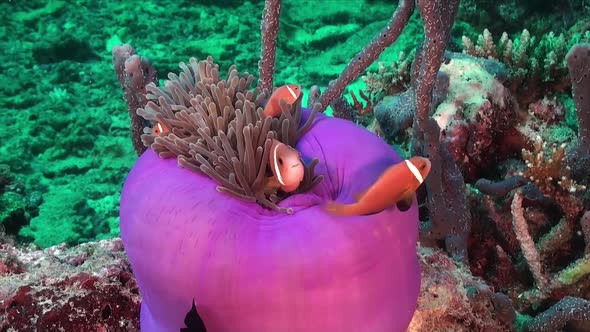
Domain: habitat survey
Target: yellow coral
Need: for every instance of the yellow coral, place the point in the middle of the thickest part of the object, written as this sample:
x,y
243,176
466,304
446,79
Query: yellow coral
x,y
549,173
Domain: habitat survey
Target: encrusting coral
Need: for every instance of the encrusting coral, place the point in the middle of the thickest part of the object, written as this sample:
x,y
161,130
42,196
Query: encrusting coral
x,y
216,126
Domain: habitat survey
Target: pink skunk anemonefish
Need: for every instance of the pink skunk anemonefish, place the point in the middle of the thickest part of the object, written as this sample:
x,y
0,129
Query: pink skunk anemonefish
x,y
395,186
286,166
289,93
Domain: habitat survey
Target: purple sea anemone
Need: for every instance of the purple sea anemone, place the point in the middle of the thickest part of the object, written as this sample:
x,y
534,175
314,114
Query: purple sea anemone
x,y
251,269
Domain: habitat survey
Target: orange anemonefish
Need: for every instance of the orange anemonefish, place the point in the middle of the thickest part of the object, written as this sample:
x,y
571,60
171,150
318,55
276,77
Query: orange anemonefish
x,y
289,93
396,185
159,129
286,166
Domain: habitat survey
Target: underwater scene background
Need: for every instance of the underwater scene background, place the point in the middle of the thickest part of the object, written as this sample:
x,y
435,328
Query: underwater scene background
x,y
504,223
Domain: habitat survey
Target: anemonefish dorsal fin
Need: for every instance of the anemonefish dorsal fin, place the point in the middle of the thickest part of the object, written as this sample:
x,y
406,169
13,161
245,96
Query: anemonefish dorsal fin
x,y
275,159
414,171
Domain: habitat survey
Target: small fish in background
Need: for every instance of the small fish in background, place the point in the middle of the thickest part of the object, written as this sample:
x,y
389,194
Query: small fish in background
x,y
396,186
193,321
286,166
289,93
159,129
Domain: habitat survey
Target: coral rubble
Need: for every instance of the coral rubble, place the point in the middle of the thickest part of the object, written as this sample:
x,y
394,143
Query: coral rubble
x,y
86,287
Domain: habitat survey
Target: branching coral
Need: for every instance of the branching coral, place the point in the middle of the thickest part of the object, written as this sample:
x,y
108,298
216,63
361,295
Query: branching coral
x,y
526,242
392,79
558,260
572,279
548,173
552,280
552,176
533,62
216,126
550,244
545,172
525,55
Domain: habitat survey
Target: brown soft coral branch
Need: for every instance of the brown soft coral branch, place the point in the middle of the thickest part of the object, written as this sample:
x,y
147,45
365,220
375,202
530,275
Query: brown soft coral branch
x,y
134,73
585,225
566,310
269,26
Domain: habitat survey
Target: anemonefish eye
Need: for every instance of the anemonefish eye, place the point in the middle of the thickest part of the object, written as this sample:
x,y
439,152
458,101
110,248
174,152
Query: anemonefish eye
x,y
281,161
422,166
158,129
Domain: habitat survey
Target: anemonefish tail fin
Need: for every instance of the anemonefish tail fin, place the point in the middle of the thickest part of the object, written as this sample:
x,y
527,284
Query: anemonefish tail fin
x,y
340,209
406,201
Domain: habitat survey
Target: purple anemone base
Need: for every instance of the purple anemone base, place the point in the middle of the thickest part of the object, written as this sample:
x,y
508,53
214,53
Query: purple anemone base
x,y
251,269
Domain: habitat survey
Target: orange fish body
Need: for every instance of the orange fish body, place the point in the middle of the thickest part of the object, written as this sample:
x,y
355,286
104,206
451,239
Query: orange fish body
x,y
396,186
286,166
289,93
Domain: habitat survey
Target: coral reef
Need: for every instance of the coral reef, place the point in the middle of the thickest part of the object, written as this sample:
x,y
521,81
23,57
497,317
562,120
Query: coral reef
x,y
97,279
89,286
535,67
16,206
451,299
503,120
509,140
475,115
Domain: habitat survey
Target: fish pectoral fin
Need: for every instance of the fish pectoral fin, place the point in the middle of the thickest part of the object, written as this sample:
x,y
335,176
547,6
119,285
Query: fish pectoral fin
x,y
406,201
271,184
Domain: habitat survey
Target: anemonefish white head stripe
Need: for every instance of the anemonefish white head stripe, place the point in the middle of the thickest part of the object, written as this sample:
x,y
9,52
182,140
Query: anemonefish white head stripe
x,y
276,165
293,94
415,171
